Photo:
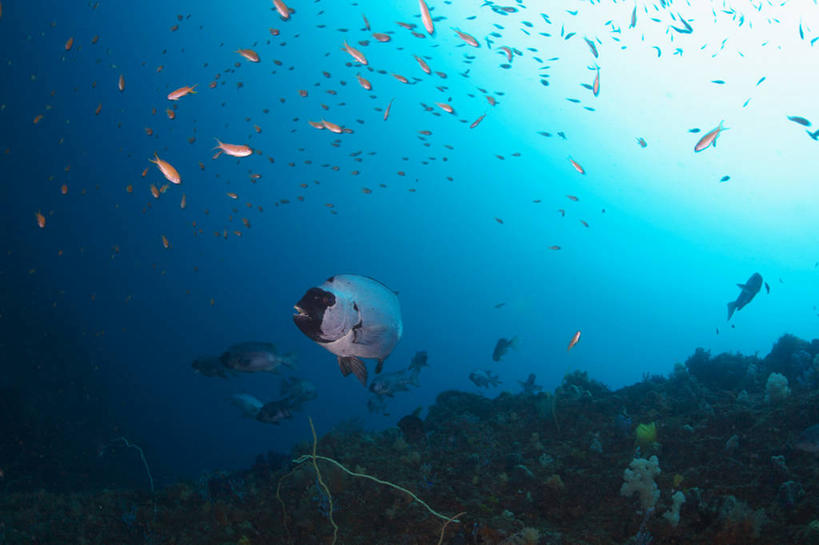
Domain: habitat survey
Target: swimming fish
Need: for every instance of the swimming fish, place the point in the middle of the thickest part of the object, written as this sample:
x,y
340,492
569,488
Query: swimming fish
x,y
234,150
248,404
353,317
469,39
275,412
529,387
799,119
503,346
484,378
749,289
249,54
282,8
255,357
575,339
808,440
182,91
355,53
577,166
425,17
166,169
212,367
710,138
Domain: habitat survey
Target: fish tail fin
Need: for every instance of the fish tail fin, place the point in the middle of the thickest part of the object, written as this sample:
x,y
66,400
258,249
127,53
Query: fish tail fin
x,y
732,306
289,360
192,89
353,365
723,128
218,144
414,377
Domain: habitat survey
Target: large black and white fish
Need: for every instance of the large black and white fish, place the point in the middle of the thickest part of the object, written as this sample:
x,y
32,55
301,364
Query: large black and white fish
x,y
353,317
749,289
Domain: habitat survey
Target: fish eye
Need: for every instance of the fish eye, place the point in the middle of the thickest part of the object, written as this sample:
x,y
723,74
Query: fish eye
x,y
328,299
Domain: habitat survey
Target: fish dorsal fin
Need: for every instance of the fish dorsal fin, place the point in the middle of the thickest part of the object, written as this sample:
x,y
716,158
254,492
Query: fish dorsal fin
x,y
742,286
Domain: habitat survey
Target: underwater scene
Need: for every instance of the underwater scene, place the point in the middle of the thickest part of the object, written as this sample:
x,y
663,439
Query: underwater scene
x,y
434,272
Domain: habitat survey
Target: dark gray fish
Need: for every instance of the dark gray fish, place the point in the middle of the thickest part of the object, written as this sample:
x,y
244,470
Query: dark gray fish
x,y
275,412
484,379
799,119
297,391
503,346
255,357
529,386
749,290
211,367
808,440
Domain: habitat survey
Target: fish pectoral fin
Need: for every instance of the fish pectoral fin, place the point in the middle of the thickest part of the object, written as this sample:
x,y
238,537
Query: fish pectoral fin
x,y
379,366
351,364
742,286
369,335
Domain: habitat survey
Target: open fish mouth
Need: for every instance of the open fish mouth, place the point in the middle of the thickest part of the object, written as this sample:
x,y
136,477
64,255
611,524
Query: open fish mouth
x,y
299,311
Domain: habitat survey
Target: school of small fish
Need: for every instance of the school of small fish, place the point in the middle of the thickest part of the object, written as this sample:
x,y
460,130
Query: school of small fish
x,y
376,56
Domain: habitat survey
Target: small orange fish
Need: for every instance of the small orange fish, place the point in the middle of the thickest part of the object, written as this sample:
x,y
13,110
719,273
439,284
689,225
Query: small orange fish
x,y
364,82
491,100
69,43
182,91
154,191
332,127
41,220
99,109
596,84
232,195
423,64
64,189
468,38
577,166
574,340
38,118
477,121
316,124
355,53
400,78
445,107
426,18
121,83
282,8
183,202
234,150
508,51
249,54
166,169
366,22
387,111
381,37
170,113
129,188
165,242
710,138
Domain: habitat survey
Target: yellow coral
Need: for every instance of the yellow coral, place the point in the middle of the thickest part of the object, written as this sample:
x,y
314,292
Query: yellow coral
x,y
646,435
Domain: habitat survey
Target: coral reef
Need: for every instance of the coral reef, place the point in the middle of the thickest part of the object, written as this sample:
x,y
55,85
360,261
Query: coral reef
x,y
490,471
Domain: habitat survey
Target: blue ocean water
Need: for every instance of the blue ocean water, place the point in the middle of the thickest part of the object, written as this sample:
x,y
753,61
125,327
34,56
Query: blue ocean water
x,y
101,322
